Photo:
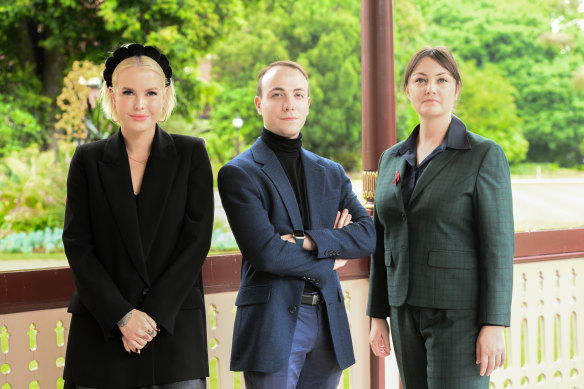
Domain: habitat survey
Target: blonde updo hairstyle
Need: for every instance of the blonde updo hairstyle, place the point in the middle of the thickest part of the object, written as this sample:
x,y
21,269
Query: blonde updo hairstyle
x,y
169,94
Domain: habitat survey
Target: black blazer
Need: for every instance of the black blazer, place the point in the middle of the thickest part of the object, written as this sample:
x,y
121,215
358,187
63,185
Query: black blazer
x,y
145,255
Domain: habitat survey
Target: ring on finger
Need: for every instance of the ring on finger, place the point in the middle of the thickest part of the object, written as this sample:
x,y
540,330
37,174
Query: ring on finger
x,y
145,337
150,332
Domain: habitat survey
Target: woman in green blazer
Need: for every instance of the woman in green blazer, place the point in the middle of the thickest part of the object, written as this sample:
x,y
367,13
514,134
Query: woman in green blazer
x,y
443,265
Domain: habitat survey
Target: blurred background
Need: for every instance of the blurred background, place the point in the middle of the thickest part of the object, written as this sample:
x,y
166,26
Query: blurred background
x,y
522,66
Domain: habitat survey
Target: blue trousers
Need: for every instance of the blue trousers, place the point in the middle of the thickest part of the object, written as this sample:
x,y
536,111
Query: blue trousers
x,y
312,363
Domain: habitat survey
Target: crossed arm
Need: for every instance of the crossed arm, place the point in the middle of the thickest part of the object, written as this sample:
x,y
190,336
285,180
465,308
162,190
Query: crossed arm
x,y
256,222
342,219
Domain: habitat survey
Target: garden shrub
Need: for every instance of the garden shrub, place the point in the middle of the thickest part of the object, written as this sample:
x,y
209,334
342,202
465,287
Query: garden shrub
x,y
45,241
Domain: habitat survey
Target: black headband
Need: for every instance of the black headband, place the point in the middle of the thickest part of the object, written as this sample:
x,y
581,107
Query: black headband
x,y
134,50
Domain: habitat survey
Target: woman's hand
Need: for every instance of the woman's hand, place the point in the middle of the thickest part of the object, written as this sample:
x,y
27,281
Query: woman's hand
x,y
379,337
490,348
137,330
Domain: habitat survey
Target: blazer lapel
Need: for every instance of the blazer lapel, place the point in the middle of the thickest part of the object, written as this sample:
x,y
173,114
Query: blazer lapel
x,y
314,173
156,186
436,165
114,171
273,169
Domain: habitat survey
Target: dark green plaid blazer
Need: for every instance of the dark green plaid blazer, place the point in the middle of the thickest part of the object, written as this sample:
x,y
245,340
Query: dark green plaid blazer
x,y
453,246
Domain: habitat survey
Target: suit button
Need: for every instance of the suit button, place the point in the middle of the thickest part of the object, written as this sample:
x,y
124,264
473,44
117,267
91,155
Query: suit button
x,y
292,308
328,253
403,217
145,291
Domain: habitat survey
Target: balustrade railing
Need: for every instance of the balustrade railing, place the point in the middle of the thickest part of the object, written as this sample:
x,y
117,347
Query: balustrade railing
x,y
545,341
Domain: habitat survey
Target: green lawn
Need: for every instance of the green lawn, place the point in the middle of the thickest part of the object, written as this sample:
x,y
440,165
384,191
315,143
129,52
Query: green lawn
x,y
39,256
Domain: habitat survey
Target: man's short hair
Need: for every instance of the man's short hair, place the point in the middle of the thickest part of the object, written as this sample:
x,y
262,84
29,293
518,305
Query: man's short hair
x,y
290,64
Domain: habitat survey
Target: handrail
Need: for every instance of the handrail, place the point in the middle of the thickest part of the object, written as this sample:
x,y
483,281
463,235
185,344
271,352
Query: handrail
x,y
30,290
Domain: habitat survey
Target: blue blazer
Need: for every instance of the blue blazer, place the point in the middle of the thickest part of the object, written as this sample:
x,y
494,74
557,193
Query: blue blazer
x,y
261,206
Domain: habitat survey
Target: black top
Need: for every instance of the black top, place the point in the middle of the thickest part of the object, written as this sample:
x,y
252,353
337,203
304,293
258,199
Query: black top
x,y
288,153
455,138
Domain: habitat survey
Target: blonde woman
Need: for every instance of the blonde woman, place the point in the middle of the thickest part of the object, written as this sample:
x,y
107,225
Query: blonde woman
x,y
137,229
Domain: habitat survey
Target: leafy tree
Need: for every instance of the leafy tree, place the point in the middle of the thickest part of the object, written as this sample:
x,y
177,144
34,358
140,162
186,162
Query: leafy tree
x,y
409,28
322,36
554,112
40,39
537,47
487,106
81,116
33,189
17,128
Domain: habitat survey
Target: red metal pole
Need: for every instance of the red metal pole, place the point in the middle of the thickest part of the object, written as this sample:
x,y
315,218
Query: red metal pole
x,y
378,88
378,111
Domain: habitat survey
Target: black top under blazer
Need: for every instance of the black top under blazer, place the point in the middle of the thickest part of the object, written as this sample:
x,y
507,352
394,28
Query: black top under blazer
x,y
146,256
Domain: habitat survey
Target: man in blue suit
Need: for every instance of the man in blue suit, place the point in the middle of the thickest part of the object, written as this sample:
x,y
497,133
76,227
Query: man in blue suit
x,y
296,220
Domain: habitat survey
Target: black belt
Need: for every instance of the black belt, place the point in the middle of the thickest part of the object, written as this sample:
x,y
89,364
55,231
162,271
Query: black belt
x,y
312,299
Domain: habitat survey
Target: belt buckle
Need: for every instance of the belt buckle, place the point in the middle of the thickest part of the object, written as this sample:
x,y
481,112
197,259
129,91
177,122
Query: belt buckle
x,y
315,299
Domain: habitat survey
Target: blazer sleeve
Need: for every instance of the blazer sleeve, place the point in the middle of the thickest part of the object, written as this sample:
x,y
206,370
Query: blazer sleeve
x,y
494,210
99,293
256,236
378,301
355,240
168,293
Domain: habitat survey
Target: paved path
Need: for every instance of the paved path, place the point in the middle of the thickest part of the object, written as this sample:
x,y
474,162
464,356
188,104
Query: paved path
x,y
548,204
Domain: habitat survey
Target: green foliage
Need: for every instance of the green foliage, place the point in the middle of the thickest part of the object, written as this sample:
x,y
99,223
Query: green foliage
x,y
57,33
554,114
33,189
487,107
538,48
222,239
18,128
39,40
322,36
183,29
46,241
81,116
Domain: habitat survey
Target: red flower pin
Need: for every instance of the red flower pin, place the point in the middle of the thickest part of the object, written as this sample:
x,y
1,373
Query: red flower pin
x,y
396,180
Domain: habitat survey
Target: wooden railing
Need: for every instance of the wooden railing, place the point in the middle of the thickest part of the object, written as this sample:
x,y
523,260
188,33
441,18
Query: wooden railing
x,y
545,341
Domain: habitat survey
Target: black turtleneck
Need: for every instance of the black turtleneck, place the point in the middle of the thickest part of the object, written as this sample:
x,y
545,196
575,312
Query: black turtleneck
x,y
288,153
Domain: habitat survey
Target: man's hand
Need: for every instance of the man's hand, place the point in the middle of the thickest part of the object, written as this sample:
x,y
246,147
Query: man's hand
x,y
342,219
490,348
379,337
137,330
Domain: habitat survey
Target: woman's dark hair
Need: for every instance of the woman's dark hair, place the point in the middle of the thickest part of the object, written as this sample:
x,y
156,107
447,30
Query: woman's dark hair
x,y
439,54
